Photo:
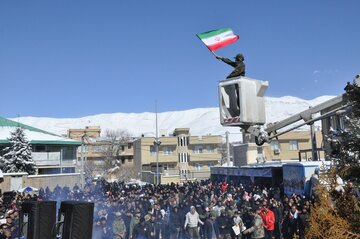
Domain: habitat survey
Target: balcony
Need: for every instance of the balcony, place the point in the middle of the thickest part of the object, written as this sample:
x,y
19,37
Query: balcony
x,y
50,159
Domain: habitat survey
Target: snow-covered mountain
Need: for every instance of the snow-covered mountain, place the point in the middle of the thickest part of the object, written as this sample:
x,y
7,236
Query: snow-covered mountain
x,y
201,121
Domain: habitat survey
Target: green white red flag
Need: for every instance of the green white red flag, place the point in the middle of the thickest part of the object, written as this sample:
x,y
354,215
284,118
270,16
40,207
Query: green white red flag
x,y
218,38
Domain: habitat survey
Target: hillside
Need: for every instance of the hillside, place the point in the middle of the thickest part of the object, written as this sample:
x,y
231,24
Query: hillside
x,y
201,121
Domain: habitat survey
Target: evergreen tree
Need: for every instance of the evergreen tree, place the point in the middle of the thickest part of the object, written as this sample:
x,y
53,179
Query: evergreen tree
x,y
344,207
17,157
345,142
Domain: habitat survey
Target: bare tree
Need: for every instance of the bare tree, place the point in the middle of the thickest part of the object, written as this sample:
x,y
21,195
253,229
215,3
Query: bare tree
x,y
114,142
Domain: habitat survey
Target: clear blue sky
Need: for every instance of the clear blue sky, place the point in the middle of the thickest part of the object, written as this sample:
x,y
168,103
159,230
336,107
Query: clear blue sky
x,y
76,58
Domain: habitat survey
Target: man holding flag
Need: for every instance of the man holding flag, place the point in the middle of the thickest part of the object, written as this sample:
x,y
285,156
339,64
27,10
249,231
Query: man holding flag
x,y
217,39
238,64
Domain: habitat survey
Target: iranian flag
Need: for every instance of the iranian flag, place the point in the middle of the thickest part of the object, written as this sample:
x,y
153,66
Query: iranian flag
x,y
218,38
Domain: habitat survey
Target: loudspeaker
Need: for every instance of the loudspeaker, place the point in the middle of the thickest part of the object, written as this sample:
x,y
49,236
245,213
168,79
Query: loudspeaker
x,y
37,219
77,219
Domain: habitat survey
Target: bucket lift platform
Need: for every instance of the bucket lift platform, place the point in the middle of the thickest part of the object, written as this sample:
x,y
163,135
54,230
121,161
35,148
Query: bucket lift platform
x,y
242,104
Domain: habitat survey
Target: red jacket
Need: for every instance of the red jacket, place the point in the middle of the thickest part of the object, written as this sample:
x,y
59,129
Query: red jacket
x,y
224,186
268,219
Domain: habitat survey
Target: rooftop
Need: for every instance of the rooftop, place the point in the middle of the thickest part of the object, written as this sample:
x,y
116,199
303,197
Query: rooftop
x,y
34,135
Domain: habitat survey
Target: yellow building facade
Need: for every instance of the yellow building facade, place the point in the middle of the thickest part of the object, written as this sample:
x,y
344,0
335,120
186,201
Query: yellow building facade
x,y
292,145
180,156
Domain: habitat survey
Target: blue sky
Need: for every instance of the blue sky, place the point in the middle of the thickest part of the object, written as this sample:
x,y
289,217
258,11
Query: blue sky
x,y
76,58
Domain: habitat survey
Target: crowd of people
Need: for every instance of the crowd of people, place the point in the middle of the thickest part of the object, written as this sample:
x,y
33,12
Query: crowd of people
x,y
204,209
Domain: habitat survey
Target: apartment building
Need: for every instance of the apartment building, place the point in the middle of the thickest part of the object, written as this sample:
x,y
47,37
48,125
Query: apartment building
x,y
96,150
176,157
294,145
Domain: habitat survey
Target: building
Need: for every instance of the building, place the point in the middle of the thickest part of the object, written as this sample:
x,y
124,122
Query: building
x,y
294,145
52,154
92,132
96,150
180,156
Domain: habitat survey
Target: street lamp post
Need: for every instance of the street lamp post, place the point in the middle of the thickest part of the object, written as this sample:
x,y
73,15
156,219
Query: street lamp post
x,y
82,161
157,143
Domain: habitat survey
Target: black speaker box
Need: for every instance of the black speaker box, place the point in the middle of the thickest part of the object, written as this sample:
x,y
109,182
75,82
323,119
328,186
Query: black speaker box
x,y
37,219
77,219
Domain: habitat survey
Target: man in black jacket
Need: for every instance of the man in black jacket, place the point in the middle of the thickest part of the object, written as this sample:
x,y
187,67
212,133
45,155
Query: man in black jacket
x,y
211,227
141,230
225,224
175,223
303,223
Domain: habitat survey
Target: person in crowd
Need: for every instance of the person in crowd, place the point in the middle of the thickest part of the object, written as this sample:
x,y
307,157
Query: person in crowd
x,y
278,213
239,226
3,228
303,223
211,228
175,223
141,230
159,226
268,217
224,223
291,220
134,220
191,223
127,220
224,186
257,229
151,225
105,229
97,229
217,209
119,228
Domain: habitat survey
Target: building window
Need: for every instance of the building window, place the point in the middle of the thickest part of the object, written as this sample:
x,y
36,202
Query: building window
x,y
275,145
182,141
184,172
293,144
152,150
183,157
210,149
168,166
198,166
167,150
198,149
